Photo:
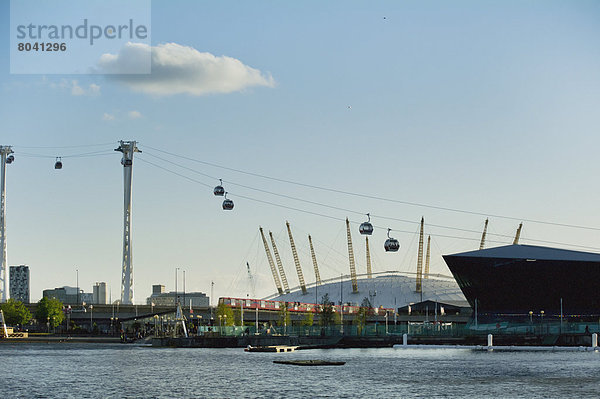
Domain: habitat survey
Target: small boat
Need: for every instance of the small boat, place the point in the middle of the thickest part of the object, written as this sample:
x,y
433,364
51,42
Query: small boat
x,y
309,362
273,348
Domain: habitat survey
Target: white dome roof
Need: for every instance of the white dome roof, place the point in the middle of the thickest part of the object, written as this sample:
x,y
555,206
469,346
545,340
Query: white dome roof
x,y
387,289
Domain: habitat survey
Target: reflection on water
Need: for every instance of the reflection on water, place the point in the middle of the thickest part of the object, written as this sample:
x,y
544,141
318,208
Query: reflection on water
x,y
124,371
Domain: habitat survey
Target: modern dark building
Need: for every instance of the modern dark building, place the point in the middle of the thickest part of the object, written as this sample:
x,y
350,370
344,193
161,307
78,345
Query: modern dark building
x,y
520,280
19,283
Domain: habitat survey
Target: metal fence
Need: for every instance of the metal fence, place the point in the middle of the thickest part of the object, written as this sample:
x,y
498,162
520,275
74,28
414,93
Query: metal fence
x,y
412,329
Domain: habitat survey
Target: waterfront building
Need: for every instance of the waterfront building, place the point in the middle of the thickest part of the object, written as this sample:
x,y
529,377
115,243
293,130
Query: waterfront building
x,y
99,293
161,298
19,283
69,295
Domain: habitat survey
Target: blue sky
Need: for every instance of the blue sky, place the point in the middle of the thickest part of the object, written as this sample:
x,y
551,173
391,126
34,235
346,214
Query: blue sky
x,y
483,106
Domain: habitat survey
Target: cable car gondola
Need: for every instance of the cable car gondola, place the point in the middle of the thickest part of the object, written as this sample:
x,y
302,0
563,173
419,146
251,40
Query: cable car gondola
x,y
58,163
219,190
10,159
227,203
366,228
391,244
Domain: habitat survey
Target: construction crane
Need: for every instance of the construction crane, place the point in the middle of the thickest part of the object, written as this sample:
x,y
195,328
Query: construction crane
x,y
271,263
518,235
314,259
369,271
427,257
286,287
296,259
419,287
351,258
251,280
483,235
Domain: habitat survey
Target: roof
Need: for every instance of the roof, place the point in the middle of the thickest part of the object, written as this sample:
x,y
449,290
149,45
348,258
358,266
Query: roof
x,y
530,252
390,290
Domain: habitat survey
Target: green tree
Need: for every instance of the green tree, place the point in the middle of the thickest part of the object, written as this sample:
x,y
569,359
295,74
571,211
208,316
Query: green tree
x,y
15,312
365,310
309,319
50,310
284,315
226,314
326,315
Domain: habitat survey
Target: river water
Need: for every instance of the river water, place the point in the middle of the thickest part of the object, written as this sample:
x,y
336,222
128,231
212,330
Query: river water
x,y
69,370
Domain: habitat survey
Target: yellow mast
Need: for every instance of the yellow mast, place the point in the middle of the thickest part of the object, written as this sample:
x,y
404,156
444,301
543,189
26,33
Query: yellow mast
x,y
271,263
483,235
296,259
518,235
314,259
369,271
351,257
419,287
427,257
286,287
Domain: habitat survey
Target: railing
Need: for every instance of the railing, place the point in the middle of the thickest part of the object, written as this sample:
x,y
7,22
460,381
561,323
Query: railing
x,y
412,329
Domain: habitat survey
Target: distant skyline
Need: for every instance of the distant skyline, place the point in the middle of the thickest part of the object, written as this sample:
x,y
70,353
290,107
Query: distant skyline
x,y
487,107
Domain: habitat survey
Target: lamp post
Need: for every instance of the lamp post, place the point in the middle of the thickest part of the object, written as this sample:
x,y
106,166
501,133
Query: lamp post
x,y
176,299
386,322
91,318
542,317
531,317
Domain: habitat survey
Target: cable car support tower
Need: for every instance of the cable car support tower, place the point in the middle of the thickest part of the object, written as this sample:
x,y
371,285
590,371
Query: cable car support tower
x,y
128,148
6,158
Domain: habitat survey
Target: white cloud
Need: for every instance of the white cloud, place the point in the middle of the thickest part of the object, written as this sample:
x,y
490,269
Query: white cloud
x,y
108,117
134,114
178,69
76,90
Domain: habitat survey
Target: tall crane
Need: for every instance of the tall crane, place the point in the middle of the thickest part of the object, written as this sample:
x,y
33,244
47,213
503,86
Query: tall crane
x,y
427,257
314,259
286,287
483,235
296,259
271,263
351,258
369,271
419,287
518,235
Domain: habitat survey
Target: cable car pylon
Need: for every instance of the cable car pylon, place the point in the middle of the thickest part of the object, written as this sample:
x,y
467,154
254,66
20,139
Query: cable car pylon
x,y
6,158
127,148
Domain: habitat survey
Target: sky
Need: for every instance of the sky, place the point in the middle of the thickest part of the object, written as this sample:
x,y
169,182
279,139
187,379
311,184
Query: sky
x,y
490,108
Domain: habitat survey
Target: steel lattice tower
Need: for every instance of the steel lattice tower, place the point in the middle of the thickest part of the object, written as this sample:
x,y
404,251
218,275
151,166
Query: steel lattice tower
x,y
5,151
128,148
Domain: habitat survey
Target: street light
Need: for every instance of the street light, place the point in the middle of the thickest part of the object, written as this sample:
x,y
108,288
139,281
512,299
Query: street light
x,y
91,318
531,317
